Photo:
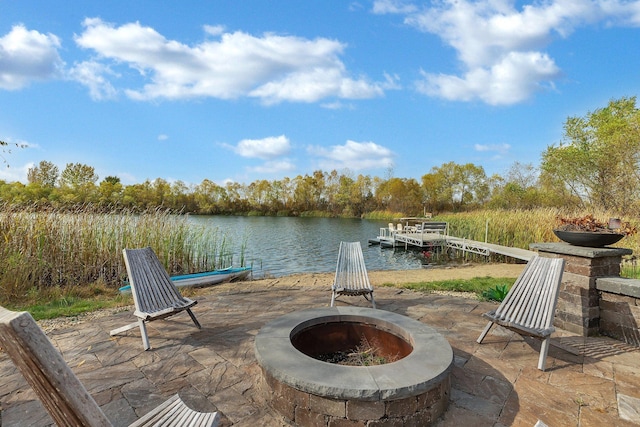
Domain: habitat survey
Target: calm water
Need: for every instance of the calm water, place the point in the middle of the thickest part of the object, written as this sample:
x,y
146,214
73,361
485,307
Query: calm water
x,y
278,246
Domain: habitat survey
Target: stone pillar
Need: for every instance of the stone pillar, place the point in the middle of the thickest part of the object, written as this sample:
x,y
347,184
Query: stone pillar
x,y
578,307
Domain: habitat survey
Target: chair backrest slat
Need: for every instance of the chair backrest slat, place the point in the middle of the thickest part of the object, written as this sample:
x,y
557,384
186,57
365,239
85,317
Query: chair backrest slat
x,y
42,365
351,272
151,285
531,301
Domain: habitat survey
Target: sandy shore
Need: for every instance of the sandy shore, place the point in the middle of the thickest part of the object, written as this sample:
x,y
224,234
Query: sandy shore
x,y
394,277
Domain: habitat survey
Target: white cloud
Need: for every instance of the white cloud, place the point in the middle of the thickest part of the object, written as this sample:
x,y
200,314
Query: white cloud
x,y
498,148
163,137
513,79
265,148
354,156
392,6
284,165
214,30
92,75
127,178
27,56
14,174
271,68
500,45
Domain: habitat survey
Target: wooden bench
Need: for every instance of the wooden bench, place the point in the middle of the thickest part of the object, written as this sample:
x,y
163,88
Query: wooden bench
x,y
61,392
351,277
530,304
432,227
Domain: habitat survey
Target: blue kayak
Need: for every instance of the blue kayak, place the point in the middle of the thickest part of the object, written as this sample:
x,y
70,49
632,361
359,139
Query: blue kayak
x,y
206,278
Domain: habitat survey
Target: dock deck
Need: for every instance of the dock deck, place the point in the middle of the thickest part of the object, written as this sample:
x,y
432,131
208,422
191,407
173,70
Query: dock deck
x,y
424,240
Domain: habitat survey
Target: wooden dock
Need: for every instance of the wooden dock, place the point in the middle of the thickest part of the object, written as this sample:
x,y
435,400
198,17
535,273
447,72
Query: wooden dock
x,y
487,249
425,240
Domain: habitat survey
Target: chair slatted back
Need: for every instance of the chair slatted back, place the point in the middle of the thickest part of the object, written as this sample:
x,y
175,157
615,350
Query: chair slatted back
x,y
152,288
531,302
42,365
351,272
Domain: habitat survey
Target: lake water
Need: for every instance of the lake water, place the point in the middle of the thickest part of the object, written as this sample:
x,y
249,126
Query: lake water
x,y
279,246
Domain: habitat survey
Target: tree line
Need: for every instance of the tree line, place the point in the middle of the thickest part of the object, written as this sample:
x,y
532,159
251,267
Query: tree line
x,y
596,165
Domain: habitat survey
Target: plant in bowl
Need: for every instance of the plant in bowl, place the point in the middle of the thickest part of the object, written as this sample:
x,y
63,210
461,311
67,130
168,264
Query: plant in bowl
x,y
590,231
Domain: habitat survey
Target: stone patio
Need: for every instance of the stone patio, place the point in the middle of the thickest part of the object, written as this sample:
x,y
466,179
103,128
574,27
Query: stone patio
x,y
589,381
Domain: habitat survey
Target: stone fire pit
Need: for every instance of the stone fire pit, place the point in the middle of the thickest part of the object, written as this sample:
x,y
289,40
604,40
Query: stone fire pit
x,y
309,392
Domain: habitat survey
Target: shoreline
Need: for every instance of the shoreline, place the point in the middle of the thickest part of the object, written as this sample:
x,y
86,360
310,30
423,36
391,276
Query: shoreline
x,y
395,277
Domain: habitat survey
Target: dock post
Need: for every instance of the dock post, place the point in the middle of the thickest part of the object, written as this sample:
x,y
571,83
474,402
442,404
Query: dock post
x,y
486,232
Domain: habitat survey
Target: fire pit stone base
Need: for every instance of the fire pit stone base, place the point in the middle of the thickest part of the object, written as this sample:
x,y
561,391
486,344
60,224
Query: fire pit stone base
x,y
306,409
308,392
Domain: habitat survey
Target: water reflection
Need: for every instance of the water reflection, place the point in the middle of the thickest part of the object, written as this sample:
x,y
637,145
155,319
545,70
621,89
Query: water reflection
x,y
279,246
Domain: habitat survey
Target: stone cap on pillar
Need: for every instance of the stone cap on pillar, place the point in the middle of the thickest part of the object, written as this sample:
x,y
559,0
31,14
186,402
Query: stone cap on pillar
x,y
563,248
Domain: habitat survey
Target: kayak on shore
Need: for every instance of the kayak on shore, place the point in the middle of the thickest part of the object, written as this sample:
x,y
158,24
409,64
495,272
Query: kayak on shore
x,y
206,278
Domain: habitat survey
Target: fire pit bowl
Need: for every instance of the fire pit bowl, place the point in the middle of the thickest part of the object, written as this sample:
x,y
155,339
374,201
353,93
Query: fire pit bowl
x,y
307,391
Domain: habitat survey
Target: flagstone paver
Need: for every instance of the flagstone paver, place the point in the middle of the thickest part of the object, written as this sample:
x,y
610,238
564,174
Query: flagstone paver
x,y
591,381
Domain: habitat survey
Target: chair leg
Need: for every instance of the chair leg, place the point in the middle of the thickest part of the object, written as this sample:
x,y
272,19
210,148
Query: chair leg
x,y
544,349
373,302
143,332
333,298
193,317
485,332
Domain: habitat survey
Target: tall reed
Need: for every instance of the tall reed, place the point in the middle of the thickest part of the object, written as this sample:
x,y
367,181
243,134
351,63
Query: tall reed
x,y
383,215
56,249
520,228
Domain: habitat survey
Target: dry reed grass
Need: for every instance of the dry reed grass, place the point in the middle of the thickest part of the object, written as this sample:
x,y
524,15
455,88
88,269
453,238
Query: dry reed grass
x,y
43,250
520,228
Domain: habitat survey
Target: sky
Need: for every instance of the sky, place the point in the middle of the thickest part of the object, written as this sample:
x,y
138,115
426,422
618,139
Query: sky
x,y
245,90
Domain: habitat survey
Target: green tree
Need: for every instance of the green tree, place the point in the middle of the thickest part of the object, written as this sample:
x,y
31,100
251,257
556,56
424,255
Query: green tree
x,y
41,183
76,175
46,174
598,158
78,183
521,189
304,193
182,198
362,199
403,195
437,193
455,187
237,197
210,197
138,196
471,185
110,191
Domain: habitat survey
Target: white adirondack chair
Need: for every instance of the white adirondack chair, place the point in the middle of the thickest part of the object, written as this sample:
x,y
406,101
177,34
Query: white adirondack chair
x,y
351,274
530,304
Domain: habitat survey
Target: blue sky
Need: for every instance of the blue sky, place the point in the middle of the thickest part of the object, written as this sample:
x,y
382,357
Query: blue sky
x,y
245,90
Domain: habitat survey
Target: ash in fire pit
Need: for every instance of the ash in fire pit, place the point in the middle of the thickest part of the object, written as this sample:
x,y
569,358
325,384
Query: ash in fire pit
x,y
351,343
364,354
308,391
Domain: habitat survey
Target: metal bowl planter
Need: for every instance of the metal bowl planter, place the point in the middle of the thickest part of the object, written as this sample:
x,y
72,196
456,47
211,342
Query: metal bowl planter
x,y
592,239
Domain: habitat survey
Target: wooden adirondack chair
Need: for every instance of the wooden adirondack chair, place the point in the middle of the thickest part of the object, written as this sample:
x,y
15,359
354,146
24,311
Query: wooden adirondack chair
x,y
154,294
351,274
61,392
530,304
